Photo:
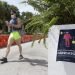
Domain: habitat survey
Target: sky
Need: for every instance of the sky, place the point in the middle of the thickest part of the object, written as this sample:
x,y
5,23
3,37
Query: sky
x,y
22,7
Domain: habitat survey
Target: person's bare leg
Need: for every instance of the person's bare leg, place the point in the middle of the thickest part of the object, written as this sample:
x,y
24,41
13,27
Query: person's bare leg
x,y
10,41
18,42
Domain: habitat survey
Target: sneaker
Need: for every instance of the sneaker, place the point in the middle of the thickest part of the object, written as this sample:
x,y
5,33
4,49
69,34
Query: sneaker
x,y
4,60
21,57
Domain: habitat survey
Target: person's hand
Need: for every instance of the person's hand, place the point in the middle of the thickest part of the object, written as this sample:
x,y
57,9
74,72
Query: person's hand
x,y
7,24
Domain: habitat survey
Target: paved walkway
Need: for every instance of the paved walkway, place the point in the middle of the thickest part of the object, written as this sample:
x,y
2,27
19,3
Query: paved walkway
x,y
34,62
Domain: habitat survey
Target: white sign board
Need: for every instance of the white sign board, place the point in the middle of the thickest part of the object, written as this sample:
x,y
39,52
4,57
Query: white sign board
x,y
58,67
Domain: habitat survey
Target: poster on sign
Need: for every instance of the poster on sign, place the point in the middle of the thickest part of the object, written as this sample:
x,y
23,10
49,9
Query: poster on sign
x,y
66,46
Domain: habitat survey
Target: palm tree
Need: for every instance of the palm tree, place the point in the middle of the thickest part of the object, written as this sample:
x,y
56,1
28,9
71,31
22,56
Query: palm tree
x,y
65,10
40,23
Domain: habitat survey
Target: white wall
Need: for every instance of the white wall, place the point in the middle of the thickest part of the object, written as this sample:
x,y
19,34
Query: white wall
x,y
58,67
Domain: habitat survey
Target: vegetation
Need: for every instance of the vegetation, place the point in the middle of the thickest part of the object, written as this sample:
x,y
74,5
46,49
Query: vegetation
x,y
62,10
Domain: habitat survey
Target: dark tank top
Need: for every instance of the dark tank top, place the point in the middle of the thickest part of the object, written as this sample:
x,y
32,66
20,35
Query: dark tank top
x,y
14,22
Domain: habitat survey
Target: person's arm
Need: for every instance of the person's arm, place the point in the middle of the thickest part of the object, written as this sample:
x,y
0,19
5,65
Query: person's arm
x,y
8,25
18,25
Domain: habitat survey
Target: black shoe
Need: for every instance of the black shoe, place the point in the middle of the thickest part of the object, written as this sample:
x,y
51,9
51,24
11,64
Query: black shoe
x,y
21,57
4,62
3,59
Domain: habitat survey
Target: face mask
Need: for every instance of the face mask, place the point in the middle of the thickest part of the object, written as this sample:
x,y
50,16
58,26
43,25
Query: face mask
x,y
13,16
